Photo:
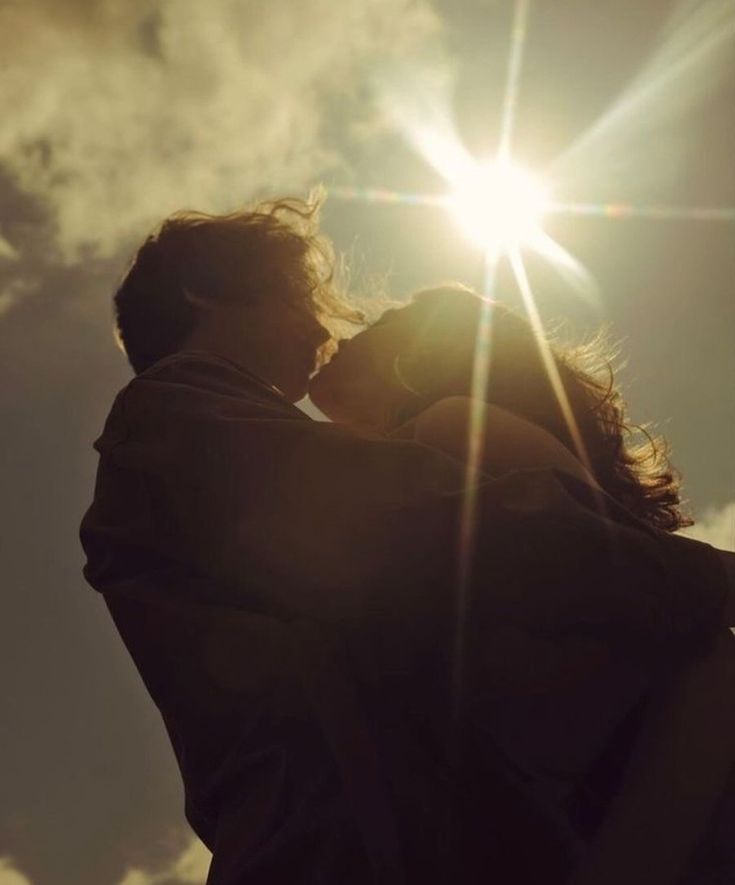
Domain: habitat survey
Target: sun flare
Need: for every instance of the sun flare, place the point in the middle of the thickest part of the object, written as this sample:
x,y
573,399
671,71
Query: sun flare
x,y
499,205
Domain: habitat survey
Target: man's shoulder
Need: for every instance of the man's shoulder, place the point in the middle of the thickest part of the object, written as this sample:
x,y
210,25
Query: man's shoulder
x,y
192,386
201,368
200,377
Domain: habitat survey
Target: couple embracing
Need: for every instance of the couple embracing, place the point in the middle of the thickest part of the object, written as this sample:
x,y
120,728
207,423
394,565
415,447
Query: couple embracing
x,y
364,679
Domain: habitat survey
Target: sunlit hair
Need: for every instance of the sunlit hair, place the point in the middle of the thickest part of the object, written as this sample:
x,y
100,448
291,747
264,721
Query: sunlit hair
x,y
272,250
438,334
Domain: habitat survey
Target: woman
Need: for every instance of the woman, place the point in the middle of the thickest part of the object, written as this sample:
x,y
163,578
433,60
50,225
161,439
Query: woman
x,y
565,710
410,374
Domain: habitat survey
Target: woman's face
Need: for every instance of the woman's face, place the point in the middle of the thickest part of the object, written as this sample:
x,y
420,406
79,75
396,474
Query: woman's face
x,y
359,386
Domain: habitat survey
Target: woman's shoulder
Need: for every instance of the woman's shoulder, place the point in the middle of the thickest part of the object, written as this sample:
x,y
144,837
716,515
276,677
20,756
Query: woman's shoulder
x,y
508,441
444,419
453,409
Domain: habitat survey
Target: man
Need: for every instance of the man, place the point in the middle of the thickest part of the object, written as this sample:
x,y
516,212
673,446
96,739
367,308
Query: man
x,y
287,589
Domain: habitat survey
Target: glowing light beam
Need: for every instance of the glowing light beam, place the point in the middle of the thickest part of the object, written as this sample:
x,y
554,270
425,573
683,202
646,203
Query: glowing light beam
x,y
473,474
513,78
380,195
547,357
552,372
630,210
569,268
695,53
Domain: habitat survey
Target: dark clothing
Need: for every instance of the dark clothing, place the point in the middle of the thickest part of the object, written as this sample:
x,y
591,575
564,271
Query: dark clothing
x,y
288,593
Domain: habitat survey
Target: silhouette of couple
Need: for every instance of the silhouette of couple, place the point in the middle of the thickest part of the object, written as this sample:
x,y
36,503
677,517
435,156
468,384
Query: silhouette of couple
x,y
364,679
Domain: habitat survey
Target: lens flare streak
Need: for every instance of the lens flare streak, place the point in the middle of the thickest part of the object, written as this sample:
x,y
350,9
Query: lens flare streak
x,y
473,475
524,286
513,78
695,53
380,195
529,302
568,267
630,210
476,430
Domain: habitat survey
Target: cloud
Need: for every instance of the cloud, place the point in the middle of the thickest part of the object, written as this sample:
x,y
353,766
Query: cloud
x,y
717,527
9,875
13,290
117,113
8,252
190,868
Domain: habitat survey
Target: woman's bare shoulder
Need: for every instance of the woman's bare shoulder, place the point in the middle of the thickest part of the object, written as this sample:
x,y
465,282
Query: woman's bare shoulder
x,y
453,412
509,440
452,415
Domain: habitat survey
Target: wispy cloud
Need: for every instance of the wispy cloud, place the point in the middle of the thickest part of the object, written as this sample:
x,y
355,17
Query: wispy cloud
x,y
9,875
8,252
190,868
717,527
117,113
14,289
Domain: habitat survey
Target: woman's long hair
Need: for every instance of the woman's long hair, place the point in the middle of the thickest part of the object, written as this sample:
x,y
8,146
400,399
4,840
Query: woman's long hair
x,y
628,461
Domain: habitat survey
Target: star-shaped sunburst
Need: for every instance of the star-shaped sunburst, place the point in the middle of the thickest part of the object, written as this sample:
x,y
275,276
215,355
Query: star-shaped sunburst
x,y
501,206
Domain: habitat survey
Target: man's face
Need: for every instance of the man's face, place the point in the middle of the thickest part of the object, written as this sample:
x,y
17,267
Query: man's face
x,y
281,339
305,336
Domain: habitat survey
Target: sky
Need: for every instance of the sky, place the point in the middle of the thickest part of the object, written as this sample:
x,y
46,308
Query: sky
x,y
116,113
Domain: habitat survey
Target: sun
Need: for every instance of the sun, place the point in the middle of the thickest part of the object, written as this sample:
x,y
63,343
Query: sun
x,y
499,205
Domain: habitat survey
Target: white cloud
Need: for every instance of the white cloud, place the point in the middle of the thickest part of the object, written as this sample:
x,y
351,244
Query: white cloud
x,y
8,252
193,864
117,113
717,527
9,875
190,867
13,290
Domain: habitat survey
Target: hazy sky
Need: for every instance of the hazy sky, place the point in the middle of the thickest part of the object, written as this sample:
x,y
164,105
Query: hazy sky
x,y
115,113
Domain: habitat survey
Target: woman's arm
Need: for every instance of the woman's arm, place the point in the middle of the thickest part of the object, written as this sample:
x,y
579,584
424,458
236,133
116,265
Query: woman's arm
x,y
678,770
508,441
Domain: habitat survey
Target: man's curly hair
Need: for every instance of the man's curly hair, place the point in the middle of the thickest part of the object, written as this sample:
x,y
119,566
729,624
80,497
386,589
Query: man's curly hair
x,y
270,250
